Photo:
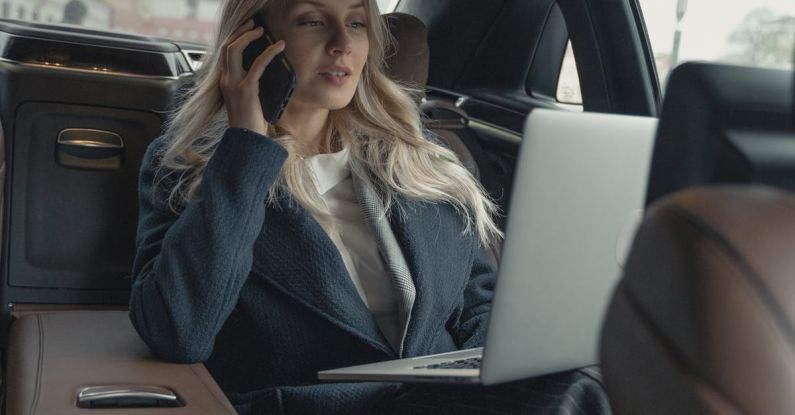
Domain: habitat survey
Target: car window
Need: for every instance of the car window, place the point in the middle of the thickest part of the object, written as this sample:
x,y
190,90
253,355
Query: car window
x,y
183,20
757,33
754,33
387,6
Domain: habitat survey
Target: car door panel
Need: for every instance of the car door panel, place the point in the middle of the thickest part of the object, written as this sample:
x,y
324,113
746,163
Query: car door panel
x,y
53,356
71,200
78,111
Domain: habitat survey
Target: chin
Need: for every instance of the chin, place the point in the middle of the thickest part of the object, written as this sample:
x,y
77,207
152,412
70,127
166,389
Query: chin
x,y
333,101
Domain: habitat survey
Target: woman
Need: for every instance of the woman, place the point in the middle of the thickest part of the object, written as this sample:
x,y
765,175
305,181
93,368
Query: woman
x,y
338,236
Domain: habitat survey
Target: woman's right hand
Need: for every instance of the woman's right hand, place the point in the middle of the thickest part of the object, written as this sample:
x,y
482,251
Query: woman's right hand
x,y
240,89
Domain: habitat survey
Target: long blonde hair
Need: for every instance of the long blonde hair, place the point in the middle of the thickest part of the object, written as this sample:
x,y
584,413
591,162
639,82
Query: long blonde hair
x,y
381,127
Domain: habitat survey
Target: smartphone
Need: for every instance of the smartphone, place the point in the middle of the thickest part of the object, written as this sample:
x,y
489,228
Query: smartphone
x,y
277,83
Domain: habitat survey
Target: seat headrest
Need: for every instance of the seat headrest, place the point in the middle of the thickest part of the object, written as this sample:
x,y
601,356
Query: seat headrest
x,y
410,59
703,320
704,135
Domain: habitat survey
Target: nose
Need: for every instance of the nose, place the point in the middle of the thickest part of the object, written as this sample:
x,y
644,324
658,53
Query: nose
x,y
340,42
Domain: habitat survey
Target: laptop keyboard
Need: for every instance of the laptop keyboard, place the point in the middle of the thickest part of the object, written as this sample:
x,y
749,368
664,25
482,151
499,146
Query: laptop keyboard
x,y
471,363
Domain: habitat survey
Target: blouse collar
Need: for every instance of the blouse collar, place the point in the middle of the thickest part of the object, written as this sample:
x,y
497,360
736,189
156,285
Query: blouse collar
x,y
329,169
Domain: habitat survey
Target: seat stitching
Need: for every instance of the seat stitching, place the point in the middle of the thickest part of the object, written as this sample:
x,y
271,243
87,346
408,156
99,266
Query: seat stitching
x,y
744,270
750,274
666,344
39,364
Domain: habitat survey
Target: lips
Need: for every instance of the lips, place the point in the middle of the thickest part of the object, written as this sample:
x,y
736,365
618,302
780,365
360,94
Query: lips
x,y
336,71
336,75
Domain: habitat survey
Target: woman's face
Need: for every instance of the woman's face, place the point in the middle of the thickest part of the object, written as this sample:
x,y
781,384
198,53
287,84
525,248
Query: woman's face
x,y
327,45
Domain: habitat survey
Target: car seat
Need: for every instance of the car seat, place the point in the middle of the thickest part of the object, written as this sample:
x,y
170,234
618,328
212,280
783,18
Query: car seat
x,y
703,320
408,64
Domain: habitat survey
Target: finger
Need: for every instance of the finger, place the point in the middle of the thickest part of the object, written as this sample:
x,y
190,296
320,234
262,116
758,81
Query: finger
x,y
247,25
262,62
234,52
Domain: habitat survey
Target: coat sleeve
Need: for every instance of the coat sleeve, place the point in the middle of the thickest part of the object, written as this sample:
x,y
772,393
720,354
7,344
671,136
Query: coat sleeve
x,y
471,321
189,268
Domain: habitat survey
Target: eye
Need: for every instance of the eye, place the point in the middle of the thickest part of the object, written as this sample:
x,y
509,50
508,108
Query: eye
x,y
358,25
311,23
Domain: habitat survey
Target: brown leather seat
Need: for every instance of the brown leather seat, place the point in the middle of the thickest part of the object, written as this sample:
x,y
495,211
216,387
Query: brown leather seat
x,y
703,320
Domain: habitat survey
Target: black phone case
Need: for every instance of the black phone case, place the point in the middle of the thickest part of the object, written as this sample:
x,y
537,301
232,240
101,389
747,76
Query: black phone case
x,y
277,83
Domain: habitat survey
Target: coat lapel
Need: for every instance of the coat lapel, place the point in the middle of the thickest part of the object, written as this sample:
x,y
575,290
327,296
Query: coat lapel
x,y
439,258
374,212
296,256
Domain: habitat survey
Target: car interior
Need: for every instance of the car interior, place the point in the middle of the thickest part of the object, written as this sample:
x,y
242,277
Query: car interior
x,y
700,322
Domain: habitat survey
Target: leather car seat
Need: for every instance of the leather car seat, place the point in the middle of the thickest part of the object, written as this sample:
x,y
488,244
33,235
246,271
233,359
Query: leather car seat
x,y
408,64
703,320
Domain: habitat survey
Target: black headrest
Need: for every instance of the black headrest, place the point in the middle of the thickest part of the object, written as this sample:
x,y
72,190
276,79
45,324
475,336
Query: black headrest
x,y
724,124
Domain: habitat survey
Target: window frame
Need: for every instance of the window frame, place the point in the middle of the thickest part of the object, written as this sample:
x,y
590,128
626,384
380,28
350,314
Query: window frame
x,y
613,64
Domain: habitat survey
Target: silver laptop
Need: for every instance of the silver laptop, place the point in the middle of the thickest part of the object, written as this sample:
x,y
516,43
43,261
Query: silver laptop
x,y
578,197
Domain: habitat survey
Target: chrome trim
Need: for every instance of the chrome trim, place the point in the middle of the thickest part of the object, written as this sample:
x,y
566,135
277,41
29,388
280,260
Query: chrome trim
x,y
119,74
88,142
91,394
495,131
194,64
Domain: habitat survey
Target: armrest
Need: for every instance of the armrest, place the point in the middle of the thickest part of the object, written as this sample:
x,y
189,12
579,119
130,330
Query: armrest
x,y
52,357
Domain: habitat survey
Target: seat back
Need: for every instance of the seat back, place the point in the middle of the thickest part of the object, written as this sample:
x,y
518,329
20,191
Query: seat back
x,y
703,320
408,64
724,124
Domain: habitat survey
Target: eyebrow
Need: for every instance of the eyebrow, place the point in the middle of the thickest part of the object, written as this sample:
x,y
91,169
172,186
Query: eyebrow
x,y
321,5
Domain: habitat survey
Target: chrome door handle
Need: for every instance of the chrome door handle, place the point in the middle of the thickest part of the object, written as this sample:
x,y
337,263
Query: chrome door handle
x,y
127,396
91,149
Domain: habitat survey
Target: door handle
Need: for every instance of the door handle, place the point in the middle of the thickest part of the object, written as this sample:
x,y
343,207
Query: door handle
x,y
86,148
127,396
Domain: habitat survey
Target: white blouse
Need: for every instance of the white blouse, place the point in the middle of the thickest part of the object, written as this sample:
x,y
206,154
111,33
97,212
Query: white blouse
x,y
355,241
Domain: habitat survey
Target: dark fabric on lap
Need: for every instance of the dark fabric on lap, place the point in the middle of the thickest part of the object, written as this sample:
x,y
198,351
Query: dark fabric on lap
x,y
577,392
326,399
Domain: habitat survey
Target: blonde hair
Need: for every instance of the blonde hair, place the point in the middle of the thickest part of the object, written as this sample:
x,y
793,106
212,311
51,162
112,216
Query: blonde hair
x,y
381,127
